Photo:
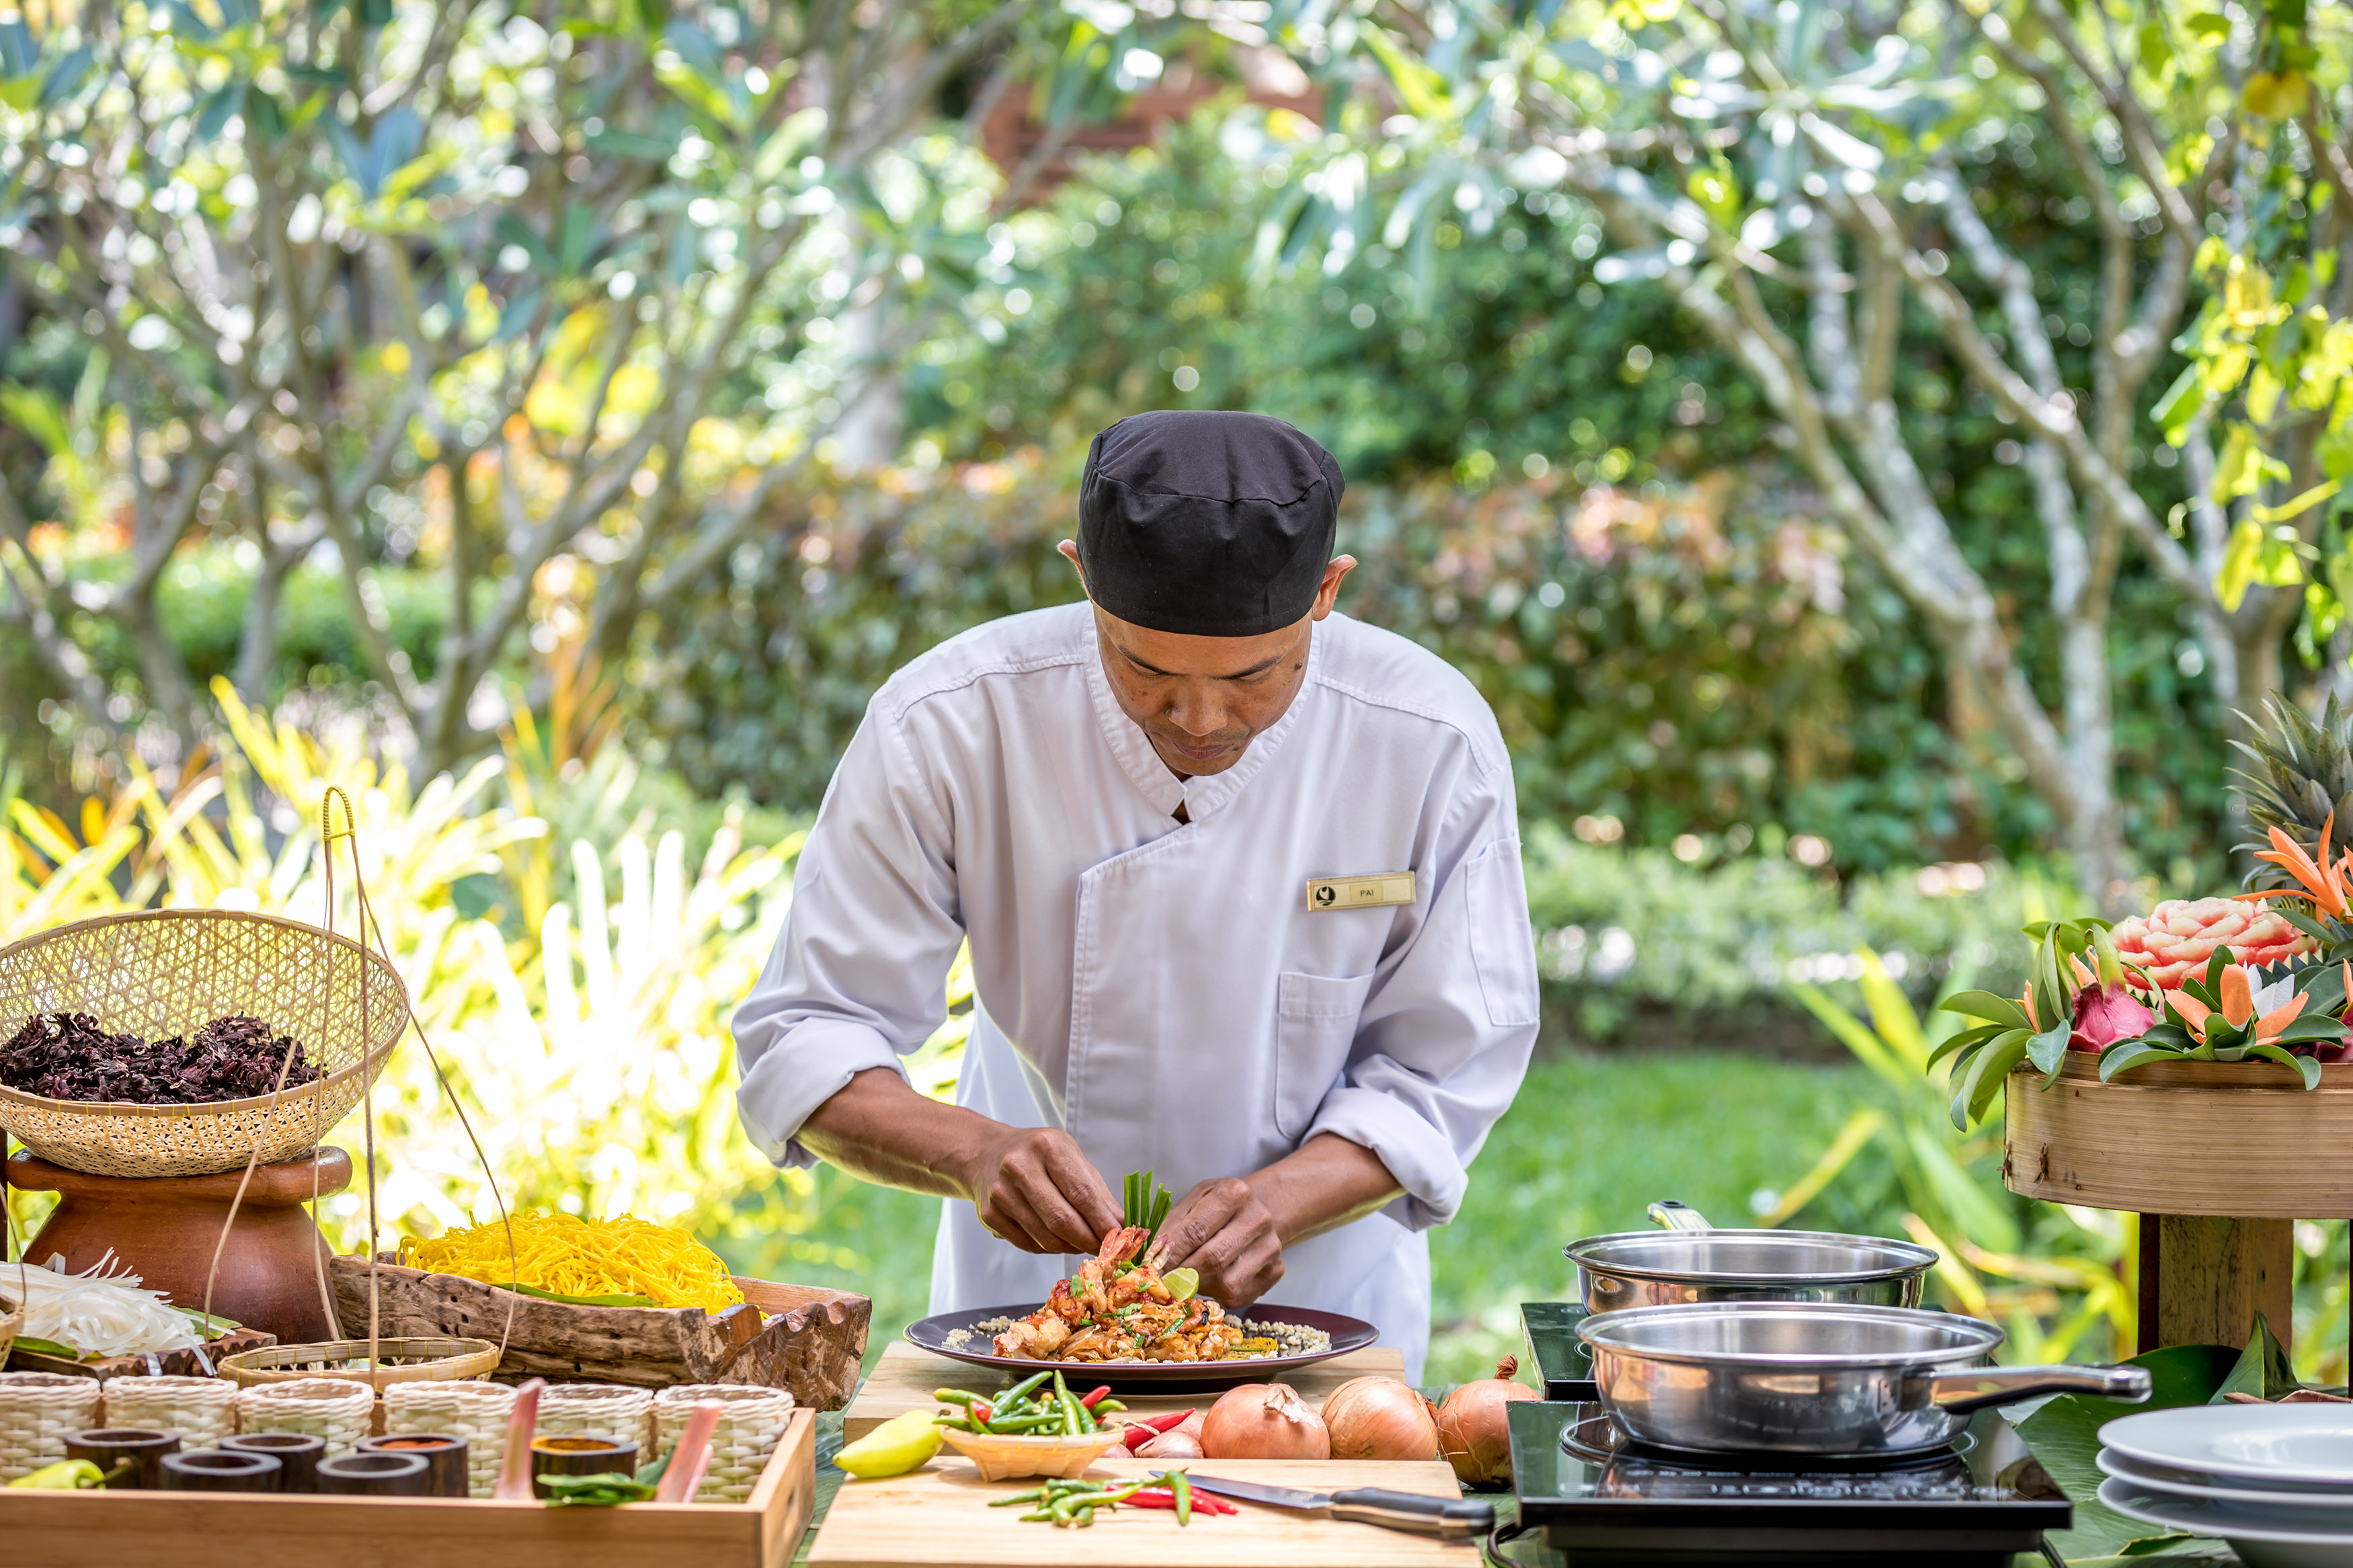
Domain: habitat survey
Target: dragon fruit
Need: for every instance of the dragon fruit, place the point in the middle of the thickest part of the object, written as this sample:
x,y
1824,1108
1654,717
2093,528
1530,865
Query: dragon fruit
x,y
2173,941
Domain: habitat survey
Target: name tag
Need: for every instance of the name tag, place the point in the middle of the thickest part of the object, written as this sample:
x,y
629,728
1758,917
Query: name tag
x,y
1360,892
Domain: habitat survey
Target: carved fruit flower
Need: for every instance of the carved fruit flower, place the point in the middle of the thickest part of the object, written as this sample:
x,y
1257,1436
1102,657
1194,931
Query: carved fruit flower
x,y
2173,941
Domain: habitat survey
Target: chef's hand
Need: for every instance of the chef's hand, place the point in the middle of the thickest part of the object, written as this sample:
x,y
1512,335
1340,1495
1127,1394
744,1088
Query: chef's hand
x,y
1223,1231
1032,1187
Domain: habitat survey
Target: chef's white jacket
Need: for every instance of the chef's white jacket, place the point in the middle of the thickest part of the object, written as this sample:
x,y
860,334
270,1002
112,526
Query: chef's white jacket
x,y
1164,992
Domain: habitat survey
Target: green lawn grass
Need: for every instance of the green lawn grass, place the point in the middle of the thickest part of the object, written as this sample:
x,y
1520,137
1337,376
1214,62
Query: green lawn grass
x,y
1590,1141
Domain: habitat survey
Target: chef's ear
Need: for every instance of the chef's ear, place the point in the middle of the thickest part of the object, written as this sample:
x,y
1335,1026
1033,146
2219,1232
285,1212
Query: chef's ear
x,y
1069,549
1338,567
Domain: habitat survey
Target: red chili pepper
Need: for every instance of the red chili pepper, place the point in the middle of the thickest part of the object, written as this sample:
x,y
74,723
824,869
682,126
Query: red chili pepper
x,y
980,1411
1090,1400
1145,1428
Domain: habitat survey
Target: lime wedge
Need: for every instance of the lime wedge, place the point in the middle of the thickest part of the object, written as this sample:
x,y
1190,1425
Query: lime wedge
x,y
1182,1283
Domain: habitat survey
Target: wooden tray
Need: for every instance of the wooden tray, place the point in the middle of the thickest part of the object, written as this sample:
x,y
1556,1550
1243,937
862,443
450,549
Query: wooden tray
x,y
796,1337
2240,1140
234,1530
175,1364
903,1378
939,1517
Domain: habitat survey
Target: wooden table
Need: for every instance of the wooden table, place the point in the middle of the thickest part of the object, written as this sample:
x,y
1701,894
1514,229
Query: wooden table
x,y
939,1517
903,1378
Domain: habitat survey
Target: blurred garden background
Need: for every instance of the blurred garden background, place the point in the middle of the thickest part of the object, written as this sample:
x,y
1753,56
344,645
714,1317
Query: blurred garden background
x,y
1870,455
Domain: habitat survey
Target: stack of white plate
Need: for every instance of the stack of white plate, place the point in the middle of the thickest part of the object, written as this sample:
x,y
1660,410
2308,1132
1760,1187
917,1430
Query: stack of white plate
x,y
2274,1480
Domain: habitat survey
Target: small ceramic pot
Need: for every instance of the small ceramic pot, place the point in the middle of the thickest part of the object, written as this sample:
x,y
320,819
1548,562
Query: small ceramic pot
x,y
298,1455
377,1475
444,1453
108,1447
578,1457
219,1470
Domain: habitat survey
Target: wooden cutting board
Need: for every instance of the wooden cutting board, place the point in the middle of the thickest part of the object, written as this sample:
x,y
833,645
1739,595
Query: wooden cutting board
x,y
903,1378
939,1517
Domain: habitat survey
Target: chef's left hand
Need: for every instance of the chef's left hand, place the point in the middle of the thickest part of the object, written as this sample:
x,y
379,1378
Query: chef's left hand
x,y
1224,1233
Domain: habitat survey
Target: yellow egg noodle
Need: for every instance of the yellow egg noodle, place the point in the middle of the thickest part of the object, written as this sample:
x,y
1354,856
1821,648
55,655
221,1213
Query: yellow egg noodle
x,y
573,1256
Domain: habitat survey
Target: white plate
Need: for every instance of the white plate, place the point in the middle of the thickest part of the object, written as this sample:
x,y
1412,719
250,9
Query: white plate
x,y
2272,1445
2220,1489
2258,1546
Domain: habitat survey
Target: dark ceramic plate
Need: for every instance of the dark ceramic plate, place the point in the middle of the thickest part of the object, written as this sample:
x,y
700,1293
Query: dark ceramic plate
x,y
1141,1377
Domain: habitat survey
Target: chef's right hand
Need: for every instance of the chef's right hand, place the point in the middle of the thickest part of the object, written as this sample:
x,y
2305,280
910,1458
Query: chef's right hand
x,y
1032,1187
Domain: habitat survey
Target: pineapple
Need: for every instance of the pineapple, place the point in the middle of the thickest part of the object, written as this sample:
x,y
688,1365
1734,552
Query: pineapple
x,y
2302,774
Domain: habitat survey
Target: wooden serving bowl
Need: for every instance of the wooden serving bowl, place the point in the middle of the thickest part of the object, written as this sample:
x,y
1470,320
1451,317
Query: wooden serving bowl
x,y
1015,1457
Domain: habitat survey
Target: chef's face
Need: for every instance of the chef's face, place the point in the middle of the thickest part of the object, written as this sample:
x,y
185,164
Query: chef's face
x,y
1202,700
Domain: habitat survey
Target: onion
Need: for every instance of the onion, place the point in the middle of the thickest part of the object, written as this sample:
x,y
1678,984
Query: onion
x,y
1264,1421
1380,1418
1475,1427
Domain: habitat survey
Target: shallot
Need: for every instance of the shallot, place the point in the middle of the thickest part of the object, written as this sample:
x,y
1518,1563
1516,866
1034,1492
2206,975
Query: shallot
x,y
1380,1418
1177,1443
1264,1421
1474,1428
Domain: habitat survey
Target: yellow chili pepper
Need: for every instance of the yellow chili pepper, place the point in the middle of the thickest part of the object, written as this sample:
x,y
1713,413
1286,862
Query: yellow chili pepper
x,y
65,1476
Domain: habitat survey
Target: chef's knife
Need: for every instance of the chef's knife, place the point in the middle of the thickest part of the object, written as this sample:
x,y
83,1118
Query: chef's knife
x,y
1455,1518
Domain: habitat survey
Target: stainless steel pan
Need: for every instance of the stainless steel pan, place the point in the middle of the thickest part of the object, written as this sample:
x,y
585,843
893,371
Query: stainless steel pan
x,y
1690,1262
1794,1377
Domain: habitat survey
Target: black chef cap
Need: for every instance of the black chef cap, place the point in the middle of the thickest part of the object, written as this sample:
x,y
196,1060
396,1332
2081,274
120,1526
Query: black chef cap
x,y
1207,523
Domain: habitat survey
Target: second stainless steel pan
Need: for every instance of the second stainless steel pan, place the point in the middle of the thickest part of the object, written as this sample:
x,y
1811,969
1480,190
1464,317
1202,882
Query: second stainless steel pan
x,y
1795,1377
1693,1262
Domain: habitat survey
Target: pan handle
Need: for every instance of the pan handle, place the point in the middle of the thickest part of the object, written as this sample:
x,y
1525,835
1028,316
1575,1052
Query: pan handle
x,y
1673,1216
1978,1387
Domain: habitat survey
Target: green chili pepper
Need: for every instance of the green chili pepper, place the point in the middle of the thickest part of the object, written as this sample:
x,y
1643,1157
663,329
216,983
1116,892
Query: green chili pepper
x,y
1182,1485
956,1396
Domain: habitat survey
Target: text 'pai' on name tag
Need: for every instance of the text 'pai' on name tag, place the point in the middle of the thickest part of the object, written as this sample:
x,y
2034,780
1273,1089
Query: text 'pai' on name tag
x,y
1360,892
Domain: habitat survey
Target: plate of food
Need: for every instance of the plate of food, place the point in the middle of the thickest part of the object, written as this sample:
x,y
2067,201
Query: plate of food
x,y
1121,1321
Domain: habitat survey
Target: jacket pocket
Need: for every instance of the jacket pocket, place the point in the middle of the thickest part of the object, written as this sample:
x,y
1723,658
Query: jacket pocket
x,y
1502,943
1315,1026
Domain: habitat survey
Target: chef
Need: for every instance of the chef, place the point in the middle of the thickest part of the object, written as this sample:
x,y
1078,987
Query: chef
x,y
1241,881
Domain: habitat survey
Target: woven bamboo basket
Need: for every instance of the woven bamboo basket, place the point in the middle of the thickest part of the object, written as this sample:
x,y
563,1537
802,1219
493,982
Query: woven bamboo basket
x,y
334,1408
12,1323
162,973
749,1429
200,1409
37,1409
605,1410
477,1411
398,1361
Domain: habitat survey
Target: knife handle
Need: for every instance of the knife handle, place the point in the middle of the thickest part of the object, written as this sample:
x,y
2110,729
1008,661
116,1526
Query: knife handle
x,y
1453,1518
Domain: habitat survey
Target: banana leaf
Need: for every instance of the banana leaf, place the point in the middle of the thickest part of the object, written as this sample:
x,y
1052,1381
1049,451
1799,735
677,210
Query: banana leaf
x,y
2308,1067
46,1347
535,1293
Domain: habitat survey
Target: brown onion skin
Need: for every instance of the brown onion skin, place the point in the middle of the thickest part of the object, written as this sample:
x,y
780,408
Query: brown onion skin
x,y
1474,1430
1352,1410
1243,1425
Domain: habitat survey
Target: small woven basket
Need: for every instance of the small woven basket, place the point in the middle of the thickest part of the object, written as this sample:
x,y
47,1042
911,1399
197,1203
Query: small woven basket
x,y
414,1359
200,1409
605,1410
334,1408
160,973
37,1409
12,1323
749,1429
477,1411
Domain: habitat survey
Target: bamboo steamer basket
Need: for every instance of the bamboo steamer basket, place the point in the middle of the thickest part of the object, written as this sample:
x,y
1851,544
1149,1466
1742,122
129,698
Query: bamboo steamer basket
x,y
606,1410
200,1409
160,973
336,1409
38,1410
2233,1140
430,1360
751,1423
477,1411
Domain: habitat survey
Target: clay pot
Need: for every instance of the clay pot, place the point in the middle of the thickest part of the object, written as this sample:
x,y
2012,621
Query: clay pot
x,y
164,1229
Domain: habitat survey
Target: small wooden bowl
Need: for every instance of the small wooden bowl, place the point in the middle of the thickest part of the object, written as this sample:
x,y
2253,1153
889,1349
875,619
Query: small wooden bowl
x,y
1014,1458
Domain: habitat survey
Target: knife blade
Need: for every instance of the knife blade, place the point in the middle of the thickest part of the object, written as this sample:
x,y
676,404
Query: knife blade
x,y
1452,1519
